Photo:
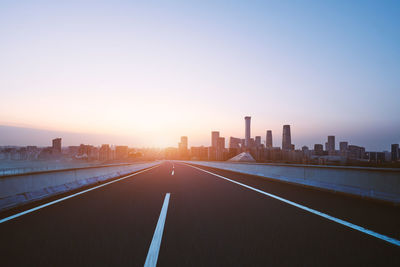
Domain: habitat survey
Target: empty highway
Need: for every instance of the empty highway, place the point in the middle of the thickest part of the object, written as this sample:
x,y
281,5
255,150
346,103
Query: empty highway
x,y
175,214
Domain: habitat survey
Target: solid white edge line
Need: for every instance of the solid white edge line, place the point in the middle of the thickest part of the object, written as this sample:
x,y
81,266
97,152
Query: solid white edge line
x,y
152,255
326,216
71,196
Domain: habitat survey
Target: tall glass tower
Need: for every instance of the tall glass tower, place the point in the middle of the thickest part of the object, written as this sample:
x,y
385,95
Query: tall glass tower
x,y
286,138
247,120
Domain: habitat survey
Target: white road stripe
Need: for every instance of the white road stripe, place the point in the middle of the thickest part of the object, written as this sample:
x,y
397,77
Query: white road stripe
x,y
172,173
70,196
154,249
326,216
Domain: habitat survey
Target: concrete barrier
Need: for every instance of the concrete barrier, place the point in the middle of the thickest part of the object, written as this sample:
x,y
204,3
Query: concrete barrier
x,y
376,183
24,188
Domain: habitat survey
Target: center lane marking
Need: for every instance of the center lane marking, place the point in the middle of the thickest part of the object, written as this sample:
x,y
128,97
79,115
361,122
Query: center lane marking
x,y
152,255
324,215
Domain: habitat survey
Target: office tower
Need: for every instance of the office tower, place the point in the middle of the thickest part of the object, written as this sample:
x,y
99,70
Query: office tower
x,y
343,146
221,143
183,147
258,141
331,143
234,142
247,131
395,152
214,139
269,139
220,148
184,142
318,149
356,152
286,138
105,152
57,145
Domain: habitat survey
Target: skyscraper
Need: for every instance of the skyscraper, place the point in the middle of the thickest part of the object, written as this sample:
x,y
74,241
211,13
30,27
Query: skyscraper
x,y
234,142
184,143
183,147
269,139
286,138
220,148
343,148
318,149
331,144
258,141
214,139
247,131
57,145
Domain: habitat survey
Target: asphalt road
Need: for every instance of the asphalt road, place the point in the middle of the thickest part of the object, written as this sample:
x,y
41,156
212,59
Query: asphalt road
x,y
210,222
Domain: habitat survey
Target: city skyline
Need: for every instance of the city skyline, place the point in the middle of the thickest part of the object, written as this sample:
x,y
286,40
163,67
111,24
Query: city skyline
x,y
325,69
330,142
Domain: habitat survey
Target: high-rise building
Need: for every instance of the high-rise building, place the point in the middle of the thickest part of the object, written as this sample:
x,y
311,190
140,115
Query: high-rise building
x,y
184,142
343,146
214,138
268,142
331,143
258,141
234,142
318,149
220,148
247,134
57,145
395,152
183,147
286,138
105,152
356,152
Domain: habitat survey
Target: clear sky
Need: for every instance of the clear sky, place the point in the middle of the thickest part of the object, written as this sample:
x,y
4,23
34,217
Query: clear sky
x,y
151,71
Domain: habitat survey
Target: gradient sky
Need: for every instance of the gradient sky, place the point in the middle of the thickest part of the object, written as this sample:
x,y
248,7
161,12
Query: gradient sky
x,y
155,70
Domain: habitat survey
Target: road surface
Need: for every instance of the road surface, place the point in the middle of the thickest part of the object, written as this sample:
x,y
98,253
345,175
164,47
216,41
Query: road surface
x,y
178,215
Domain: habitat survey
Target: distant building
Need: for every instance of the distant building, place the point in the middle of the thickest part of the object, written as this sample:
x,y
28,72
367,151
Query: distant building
x,y
331,144
220,148
356,152
234,142
343,146
184,142
395,152
268,141
376,157
306,152
247,131
183,147
199,153
214,139
286,138
258,141
105,152
318,149
57,145
121,152
212,153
